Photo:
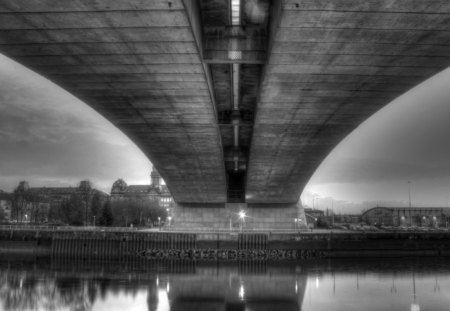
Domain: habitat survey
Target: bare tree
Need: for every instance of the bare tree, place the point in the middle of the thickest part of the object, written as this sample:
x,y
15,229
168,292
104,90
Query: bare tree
x,y
85,188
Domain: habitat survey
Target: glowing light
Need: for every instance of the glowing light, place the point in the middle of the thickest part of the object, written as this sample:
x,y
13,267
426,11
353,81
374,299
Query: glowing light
x,y
415,307
242,215
168,287
241,292
317,281
163,301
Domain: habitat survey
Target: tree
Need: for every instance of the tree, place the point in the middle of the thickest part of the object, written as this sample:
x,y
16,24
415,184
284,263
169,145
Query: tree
x,y
71,211
96,206
21,199
119,212
2,215
106,217
137,211
86,192
37,209
55,211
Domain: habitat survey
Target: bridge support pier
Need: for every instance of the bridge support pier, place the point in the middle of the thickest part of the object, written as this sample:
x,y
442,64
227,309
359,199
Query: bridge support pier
x,y
239,216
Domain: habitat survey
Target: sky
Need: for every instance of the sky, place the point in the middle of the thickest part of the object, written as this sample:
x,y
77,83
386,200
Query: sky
x,y
50,138
407,140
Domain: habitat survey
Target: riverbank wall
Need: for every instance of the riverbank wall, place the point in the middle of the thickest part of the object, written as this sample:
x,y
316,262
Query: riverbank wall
x,y
98,244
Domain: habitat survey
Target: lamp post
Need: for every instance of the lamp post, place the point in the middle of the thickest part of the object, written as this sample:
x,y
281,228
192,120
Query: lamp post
x,y
242,219
159,223
332,213
314,202
409,195
94,221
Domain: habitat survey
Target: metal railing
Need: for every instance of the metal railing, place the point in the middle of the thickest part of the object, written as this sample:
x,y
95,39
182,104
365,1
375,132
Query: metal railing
x,y
234,230
65,228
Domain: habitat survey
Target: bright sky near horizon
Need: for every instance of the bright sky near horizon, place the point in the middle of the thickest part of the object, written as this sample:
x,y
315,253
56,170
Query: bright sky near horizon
x,y
51,138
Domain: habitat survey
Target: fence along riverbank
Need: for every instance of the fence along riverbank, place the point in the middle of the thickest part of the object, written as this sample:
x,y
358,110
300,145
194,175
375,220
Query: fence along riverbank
x,y
112,244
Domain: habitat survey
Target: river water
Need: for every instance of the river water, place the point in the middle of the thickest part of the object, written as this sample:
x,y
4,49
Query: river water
x,y
371,284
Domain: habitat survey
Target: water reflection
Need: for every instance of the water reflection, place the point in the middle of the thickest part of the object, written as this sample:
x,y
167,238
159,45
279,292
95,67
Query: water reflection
x,y
415,284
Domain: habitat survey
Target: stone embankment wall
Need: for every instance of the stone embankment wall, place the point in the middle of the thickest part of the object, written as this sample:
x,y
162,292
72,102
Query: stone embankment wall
x,y
220,246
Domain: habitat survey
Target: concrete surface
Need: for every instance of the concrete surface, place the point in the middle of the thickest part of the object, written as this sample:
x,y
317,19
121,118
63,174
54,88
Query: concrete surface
x,y
331,65
311,72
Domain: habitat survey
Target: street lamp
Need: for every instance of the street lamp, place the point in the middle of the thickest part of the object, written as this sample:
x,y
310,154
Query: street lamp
x,y
242,216
409,195
94,221
314,201
170,219
159,223
241,292
332,213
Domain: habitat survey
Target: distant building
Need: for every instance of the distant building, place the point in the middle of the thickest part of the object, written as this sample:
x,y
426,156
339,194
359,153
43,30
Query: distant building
x,y
59,194
155,192
5,205
39,200
314,213
313,216
404,216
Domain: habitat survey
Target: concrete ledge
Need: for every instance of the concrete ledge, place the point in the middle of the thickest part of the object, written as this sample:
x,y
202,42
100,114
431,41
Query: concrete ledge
x,y
213,246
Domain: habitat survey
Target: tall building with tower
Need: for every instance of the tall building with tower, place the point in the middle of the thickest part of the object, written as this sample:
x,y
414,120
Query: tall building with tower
x,y
157,191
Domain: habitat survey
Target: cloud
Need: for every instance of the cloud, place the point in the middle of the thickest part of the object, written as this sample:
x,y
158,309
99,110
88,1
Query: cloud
x,y
51,138
406,140
367,170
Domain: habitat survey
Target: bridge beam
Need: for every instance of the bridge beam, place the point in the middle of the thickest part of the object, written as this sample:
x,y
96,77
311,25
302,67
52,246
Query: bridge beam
x,y
330,66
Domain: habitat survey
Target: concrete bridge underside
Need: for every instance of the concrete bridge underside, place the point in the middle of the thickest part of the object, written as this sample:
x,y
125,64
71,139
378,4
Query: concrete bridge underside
x,y
232,110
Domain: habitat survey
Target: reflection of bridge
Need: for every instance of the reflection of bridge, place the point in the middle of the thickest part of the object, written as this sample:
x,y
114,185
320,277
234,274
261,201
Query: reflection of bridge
x,y
225,289
232,103
175,285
